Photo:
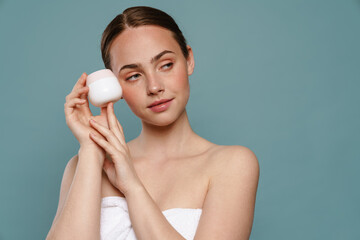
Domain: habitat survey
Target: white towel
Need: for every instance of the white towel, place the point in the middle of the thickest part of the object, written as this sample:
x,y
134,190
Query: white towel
x,y
115,221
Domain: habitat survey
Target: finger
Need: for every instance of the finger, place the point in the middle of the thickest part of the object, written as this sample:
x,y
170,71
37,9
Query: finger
x,y
84,94
80,92
104,144
70,105
117,121
85,107
103,111
108,134
81,82
120,128
77,94
73,102
112,121
122,134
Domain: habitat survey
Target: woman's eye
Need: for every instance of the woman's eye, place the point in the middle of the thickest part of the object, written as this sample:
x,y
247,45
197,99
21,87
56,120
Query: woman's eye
x,y
134,77
131,78
169,65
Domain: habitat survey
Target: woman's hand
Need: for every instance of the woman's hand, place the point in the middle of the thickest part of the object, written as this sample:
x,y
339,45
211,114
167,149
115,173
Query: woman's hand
x,y
120,169
77,114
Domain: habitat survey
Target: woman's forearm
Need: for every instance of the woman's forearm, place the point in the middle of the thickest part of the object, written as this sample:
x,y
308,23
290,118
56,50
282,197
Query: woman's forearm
x,y
80,216
148,221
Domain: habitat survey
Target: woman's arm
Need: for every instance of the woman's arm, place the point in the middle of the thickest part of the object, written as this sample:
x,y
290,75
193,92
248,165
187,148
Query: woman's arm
x,y
229,206
146,217
149,223
78,215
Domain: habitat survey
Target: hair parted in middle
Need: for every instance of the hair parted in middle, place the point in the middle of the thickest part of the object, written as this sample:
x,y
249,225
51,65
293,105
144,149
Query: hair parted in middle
x,y
139,16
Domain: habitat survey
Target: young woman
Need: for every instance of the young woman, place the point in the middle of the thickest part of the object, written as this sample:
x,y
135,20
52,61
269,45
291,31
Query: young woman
x,y
168,183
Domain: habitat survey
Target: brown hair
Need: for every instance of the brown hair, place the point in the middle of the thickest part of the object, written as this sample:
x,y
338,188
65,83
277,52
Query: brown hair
x,y
139,16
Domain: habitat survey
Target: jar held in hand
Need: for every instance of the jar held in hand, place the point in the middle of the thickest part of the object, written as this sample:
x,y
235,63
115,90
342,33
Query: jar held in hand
x,y
104,87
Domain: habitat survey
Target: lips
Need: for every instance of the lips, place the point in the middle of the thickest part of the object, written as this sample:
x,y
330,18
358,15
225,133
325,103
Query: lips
x,y
159,102
161,107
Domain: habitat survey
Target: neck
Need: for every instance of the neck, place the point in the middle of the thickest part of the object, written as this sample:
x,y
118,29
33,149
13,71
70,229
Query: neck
x,y
163,142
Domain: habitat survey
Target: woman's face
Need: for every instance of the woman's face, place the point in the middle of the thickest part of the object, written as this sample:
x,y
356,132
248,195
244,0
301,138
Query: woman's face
x,y
150,66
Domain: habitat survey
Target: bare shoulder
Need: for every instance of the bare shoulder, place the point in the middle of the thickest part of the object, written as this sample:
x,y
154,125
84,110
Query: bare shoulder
x,y
235,158
231,194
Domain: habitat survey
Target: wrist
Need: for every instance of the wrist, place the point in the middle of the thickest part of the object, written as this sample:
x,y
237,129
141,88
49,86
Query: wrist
x,y
135,191
93,148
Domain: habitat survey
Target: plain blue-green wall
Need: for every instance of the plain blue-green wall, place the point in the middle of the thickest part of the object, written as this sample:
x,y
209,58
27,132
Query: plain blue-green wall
x,y
279,77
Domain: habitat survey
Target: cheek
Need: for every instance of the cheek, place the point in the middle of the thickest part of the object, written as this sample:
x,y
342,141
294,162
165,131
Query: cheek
x,y
182,82
131,97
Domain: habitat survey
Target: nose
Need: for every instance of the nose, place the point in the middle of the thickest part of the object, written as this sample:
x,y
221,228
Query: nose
x,y
154,85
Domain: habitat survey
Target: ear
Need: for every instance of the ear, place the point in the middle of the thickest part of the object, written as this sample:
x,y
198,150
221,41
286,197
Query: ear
x,y
190,61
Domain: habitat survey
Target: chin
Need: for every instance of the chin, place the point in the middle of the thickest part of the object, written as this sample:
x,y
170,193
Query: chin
x,y
160,121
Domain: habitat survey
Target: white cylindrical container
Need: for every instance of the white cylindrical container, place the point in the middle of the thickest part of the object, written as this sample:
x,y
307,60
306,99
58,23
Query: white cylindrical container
x,y
104,87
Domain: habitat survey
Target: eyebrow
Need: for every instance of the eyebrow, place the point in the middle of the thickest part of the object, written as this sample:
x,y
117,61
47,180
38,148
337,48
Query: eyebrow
x,y
155,58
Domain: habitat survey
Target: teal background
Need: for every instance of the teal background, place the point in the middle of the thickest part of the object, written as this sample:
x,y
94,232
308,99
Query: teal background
x,y
279,77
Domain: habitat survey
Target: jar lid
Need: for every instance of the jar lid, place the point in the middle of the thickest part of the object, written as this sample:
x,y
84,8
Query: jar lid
x,y
103,73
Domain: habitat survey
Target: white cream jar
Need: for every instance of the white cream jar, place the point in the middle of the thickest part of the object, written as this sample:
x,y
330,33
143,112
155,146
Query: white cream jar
x,y
104,87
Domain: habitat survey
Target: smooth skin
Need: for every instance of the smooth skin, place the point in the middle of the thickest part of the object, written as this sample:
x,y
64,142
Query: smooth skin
x,y
167,166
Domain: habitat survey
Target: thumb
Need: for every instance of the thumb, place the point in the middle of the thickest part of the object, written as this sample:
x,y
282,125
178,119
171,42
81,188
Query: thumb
x,y
103,111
